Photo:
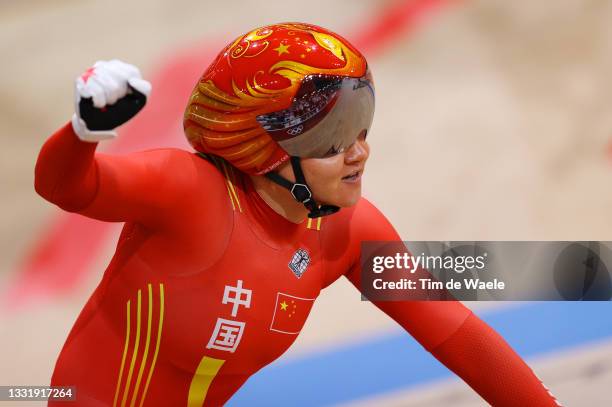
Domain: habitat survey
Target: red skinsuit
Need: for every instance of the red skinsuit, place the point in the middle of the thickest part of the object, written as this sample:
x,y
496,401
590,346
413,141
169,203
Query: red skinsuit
x,y
199,294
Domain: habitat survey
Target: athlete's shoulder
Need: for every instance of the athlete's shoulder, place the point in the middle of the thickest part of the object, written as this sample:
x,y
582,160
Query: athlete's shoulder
x,y
363,208
185,177
188,167
362,221
185,162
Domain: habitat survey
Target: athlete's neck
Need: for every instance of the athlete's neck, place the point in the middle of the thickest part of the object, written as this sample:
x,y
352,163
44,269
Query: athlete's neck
x,y
279,199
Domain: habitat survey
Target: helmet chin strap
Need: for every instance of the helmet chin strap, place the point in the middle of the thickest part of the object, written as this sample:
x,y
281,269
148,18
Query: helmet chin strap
x,y
301,191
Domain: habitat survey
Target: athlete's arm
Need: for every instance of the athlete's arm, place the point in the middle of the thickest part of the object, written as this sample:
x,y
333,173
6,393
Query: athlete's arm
x,y
151,187
453,334
142,186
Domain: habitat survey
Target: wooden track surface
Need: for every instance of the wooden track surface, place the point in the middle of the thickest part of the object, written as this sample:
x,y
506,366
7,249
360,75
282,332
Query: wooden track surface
x,y
493,122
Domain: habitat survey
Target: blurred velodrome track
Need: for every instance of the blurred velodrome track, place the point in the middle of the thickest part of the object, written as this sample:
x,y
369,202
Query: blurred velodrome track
x,y
494,122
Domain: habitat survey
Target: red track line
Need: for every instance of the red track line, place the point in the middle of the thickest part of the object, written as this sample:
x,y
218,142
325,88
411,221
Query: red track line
x,y
393,22
65,251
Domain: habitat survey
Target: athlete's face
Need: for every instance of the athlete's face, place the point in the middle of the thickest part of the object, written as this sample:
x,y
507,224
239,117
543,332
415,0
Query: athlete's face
x,y
336,178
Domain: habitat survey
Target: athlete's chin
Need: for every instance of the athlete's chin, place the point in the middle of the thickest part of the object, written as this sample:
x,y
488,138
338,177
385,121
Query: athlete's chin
x,y
347,199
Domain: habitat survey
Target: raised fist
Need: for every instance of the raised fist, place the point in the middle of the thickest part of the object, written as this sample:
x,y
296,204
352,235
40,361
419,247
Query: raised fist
x,y
107,95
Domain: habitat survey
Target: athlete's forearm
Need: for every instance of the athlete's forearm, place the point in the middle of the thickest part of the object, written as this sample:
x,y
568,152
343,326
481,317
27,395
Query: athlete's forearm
x,y
483,359
65,173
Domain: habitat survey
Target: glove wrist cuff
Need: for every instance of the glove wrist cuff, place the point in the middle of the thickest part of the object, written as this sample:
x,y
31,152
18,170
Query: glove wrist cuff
x,y
84,134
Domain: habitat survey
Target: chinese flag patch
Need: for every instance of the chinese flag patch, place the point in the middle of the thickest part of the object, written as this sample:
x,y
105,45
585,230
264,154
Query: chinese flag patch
x,y
290,313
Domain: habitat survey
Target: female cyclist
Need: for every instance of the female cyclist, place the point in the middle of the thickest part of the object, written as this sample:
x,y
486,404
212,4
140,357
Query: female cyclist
x,y
225,250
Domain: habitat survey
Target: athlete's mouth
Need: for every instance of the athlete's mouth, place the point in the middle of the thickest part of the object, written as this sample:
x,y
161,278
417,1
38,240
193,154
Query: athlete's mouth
x,y
353,176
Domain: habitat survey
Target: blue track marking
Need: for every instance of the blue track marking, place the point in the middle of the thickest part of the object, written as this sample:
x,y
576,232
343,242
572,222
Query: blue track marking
x,y
396,361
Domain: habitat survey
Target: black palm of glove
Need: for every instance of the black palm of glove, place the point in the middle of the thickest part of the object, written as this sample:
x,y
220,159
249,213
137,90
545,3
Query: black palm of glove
x,y
112,116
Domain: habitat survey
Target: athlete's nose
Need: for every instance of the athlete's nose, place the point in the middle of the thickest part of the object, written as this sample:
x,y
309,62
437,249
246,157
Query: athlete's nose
x,y
358,151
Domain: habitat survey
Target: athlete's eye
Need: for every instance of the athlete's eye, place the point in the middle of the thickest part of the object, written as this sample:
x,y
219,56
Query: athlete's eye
x,y
333,151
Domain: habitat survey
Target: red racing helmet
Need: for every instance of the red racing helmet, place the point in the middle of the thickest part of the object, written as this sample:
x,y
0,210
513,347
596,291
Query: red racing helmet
x,y
282,90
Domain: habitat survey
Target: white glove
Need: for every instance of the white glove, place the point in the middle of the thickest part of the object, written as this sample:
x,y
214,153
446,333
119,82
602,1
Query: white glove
x,y
107,84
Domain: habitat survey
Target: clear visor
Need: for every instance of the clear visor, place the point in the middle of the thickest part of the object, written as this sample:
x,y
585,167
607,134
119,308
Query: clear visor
x,y
327,115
